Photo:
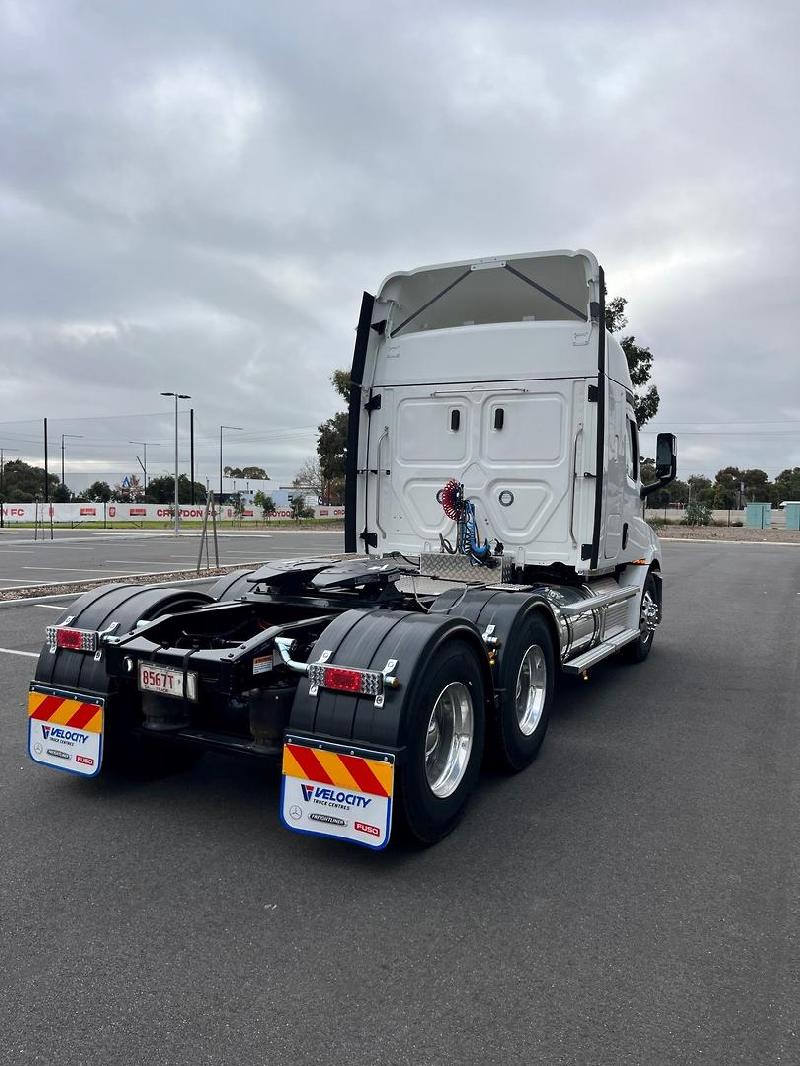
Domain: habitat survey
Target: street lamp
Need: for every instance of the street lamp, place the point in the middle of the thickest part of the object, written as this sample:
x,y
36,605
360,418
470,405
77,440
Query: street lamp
x,y
220,456
145,444
178,396
74,436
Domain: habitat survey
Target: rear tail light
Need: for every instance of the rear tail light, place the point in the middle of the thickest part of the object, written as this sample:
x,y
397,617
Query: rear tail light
x,y
73,639
343,679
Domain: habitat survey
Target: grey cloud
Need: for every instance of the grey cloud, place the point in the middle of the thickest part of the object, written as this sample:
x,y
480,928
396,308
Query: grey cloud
x,y
199,193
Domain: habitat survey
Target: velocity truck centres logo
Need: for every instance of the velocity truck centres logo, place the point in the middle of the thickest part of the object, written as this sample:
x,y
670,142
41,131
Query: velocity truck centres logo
x,y
331,795
72,736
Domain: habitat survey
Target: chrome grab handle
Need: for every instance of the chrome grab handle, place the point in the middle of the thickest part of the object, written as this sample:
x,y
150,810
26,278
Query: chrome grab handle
x,y
379,469
578,432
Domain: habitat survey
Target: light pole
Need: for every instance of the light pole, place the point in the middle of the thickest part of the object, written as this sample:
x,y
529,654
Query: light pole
x,y
145,444
178,396
73,436
220,456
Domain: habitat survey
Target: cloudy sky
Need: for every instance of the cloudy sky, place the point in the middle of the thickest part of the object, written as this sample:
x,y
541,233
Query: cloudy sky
x,y
194,194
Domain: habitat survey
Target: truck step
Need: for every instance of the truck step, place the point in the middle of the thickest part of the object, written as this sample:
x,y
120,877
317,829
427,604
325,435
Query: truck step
x,y
600,652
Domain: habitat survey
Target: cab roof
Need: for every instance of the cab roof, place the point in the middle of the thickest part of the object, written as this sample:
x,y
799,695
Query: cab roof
x,y
534,286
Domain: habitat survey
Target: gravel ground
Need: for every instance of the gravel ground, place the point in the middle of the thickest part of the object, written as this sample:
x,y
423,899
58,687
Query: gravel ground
x,y
735,533
38,591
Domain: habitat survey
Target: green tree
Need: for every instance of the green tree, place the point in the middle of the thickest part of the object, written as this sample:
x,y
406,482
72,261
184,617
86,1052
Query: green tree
x,y
787,485
727,493
340,379
162,490
757,485
332,446
23,483
267,505
251,473
332,451
299,509
677,492
698,514
237,503
98,492
61,494
640,362
702,490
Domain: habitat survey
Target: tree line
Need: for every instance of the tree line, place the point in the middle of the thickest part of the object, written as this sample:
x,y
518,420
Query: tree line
x,y
731,489
23,483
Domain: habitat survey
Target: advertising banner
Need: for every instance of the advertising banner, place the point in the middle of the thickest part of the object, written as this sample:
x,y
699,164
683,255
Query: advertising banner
x,y
111,513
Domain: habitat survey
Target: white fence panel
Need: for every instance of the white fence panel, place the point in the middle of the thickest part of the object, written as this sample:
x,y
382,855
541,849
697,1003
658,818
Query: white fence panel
x,y
137,512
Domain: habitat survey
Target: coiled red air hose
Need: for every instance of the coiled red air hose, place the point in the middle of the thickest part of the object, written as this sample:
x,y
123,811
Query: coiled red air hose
x,y
452,498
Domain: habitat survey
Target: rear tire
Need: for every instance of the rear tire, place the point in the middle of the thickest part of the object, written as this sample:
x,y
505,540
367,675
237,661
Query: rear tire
x,y
527,681
445,731
638,650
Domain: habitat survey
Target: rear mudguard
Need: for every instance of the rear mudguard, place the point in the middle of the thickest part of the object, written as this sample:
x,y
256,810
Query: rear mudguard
x,y
495,613
117,606
370,639
233,586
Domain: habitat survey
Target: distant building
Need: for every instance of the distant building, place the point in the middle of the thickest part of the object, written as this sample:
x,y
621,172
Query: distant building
x,y
282,495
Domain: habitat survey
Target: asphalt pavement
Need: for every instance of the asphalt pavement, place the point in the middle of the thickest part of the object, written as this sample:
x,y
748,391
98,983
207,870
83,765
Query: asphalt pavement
x,y
82,555
631,898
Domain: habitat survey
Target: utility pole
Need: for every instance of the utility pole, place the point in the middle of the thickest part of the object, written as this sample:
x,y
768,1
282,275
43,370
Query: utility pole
x,y
191,456
178,396
46,472
145,444
220,456
75,436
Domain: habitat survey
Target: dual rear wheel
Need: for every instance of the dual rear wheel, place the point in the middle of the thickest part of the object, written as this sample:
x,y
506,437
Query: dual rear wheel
x,y
448,727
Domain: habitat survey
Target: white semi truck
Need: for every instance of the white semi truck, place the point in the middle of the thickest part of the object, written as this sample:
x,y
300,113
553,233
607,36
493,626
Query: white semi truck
x,y
494,539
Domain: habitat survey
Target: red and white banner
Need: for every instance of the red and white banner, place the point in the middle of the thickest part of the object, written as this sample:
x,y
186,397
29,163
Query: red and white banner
x,y
138,512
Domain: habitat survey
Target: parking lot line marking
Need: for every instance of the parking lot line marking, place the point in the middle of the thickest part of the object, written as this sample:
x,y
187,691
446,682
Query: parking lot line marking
x,y
140,562
720,540
27,585
47,606
71,569
27,654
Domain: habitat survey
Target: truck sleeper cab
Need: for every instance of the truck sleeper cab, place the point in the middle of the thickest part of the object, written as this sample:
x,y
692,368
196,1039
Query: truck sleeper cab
x,y
494,538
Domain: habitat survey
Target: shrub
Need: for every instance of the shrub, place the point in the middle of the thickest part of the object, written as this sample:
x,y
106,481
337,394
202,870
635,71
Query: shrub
x,y
698,514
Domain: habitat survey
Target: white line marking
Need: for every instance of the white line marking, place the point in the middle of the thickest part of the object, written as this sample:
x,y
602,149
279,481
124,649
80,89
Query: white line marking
x,y
141,562
720,540
51,606
28,654
26,601
67,569
26,585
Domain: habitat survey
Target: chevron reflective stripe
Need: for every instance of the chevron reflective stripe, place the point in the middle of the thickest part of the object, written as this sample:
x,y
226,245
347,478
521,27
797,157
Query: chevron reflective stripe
x,y
353,772
60,710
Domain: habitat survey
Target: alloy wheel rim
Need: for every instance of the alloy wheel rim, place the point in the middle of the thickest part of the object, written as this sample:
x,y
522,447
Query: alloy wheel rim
x,y
531,689
449,738
648,617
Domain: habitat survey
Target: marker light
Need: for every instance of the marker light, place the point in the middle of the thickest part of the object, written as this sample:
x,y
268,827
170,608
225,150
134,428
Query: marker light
x,y
72,639
342,679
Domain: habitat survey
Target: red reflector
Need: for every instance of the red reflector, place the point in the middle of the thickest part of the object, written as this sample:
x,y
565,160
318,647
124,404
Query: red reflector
x,y
342,680
69,638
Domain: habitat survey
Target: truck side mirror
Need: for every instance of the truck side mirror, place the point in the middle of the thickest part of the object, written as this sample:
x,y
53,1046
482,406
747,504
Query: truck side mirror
x,y
666,464
666,456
